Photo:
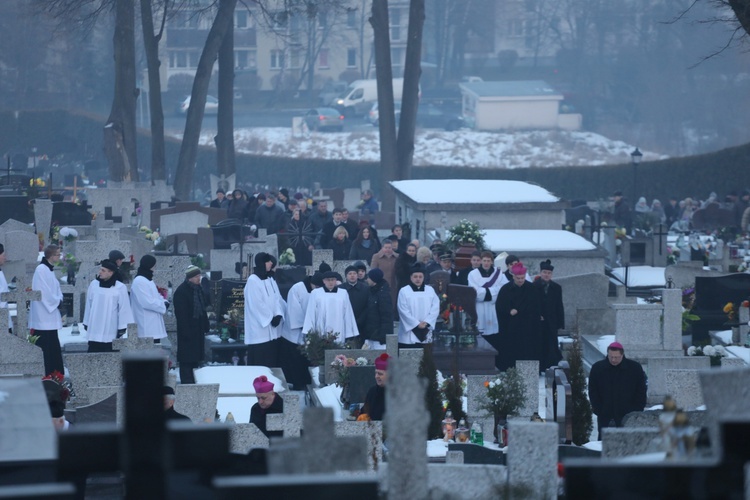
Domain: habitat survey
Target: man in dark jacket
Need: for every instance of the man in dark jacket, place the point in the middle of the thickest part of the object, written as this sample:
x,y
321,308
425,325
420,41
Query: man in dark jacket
x,y
326,232
220,201
358,294
379,321
169,412
269,215
622,215
617,386
553,315
192,323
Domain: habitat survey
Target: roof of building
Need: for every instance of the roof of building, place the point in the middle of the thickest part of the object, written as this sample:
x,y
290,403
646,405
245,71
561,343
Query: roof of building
x,y
462,191
534,240
519,88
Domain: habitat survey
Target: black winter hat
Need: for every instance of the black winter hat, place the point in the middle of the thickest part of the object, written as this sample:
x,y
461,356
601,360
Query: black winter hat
x,y
546,265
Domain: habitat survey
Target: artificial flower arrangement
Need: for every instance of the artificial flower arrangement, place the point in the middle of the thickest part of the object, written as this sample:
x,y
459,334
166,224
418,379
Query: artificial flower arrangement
x,y
316,344
714,352
287,257
68,234
149,234
342,364
465,232
505,394
730,310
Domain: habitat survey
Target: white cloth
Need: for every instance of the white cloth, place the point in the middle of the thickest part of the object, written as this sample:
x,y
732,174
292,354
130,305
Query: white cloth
x,y
107,310
43,314
262,302
413,308
296,308
330,312
148,308
486,314
4,289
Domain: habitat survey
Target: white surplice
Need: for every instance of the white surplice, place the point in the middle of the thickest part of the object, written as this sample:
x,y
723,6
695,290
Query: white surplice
x,y
330,312
263,301
486,314
148,308
43,314
413,308
296,308
107,310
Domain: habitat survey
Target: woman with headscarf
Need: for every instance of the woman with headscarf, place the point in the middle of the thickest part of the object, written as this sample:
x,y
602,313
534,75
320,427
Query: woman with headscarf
x,y
642,206
147,304
264,313
237,205
657,212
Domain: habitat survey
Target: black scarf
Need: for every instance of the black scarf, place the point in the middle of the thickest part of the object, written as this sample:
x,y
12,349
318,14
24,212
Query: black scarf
x,y
46,263
146,273
416,288
261,272
335,289
108,283
199,307
486,273
308,284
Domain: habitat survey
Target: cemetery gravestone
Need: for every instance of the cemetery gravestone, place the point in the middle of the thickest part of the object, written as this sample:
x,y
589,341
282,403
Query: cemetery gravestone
x,y
197,401
22,298
19,357
43,218
532,458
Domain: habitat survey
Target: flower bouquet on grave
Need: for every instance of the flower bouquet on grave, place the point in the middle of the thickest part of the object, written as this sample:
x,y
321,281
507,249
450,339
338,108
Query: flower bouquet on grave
x,y
730,311
341,365
68,234
715,353
314,349
232,319
505,395
287,257
199,261
465,232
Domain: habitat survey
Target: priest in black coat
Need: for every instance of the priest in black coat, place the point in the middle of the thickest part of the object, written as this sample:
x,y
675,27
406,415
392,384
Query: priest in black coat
x,y
192,323
553,315
519,311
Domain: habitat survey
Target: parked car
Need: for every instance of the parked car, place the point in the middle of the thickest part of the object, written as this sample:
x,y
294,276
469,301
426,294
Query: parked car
x,y
330,91
211,108
324,118
428,116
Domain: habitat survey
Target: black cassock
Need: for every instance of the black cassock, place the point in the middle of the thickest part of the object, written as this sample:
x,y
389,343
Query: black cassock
x,y
519,337
554,319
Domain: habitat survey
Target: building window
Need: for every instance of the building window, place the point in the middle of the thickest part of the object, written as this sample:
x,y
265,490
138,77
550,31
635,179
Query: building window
x,y
395,20
322,20
351,58
180,59
515,27
277,59
397,57
241,58
323,58
240,19
193,58
351,18
294,59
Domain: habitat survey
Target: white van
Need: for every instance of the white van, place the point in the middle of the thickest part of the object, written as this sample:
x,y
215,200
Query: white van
x,y
357,99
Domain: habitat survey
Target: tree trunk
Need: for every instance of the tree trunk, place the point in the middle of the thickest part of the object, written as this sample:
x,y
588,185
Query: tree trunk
x,y
225,120
386,115
741,9
410,98
189,149
151,46
119,132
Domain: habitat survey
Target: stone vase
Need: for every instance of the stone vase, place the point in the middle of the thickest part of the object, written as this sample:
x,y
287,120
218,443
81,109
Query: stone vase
x,y
345,395
500,429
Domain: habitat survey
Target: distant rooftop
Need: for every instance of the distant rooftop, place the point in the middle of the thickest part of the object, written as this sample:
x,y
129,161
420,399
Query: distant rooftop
x,y
535,240
462,191
520,88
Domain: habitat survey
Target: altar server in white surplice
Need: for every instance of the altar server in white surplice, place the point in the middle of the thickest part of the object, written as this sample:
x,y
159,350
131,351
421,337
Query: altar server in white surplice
x,y
264,313
487,281
330,310
108,309
418,309
147,304
44,315
291,360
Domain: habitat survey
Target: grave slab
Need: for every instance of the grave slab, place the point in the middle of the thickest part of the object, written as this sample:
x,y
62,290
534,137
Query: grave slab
x,y
532,457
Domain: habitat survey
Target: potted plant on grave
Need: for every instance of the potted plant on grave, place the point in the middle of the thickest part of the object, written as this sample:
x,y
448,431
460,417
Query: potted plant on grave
x,y
714,353
314,348
505,396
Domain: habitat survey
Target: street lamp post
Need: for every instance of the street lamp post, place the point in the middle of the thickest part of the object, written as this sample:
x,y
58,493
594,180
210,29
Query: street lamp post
x,y
33,169
635,159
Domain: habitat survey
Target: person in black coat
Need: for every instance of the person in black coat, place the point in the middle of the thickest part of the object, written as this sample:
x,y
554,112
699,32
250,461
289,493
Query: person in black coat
x,y
617,386
268,402
340,244
553,315
374,406
404,261
192,323
462,276
379,322
269,215
622,215
237,206
359,293
519,310
169,412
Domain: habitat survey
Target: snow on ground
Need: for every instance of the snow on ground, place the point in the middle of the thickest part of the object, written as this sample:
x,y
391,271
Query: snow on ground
x,y
534,240
462,191
522,149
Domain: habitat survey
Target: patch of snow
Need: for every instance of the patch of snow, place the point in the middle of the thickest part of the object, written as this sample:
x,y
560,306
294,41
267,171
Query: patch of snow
x,y
534,240
642,276
239,407
741,352
603,342
462,148
725,336
594,445
462,191
235,379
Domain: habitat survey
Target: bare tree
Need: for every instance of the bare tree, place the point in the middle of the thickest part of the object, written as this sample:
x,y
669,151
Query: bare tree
x,y
151,46
225,119
410,96
189,149
120,129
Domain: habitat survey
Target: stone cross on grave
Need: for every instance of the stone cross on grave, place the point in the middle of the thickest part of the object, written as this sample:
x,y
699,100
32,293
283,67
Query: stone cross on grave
x,y
318,450
133,342
22,297
148,449
289,421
